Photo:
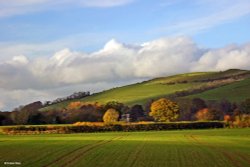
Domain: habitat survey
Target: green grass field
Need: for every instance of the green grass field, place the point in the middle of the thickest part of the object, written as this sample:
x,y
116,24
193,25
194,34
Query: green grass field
x,y
196,148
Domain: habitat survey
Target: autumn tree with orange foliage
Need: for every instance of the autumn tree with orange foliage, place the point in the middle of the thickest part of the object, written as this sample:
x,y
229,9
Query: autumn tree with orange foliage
x,y
110,116
79,104
206,114
75,105
164,110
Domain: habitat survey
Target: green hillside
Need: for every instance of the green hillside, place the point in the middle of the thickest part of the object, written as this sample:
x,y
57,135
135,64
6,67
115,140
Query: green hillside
x,y
142,92
234,92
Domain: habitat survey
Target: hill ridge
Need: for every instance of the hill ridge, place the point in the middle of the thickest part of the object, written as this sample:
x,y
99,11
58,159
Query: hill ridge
x,y
180,85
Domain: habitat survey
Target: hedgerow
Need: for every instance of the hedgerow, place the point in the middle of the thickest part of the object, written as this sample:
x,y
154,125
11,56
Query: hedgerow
x,y
101,127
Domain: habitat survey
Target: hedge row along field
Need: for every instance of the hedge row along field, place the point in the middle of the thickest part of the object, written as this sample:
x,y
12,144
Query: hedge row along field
x,y
100,127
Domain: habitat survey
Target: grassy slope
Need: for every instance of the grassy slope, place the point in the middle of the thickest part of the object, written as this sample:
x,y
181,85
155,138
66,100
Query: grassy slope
x,y
138,93
141,92
196,148
132,94
235,92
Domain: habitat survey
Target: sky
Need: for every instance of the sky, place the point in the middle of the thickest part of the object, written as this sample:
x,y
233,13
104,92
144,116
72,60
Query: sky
x,y
50,49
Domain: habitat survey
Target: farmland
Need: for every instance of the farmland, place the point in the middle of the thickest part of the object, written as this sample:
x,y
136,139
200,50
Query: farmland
x,y
217,147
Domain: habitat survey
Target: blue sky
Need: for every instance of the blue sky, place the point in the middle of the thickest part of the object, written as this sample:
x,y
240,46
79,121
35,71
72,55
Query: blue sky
x,y
131,21
50,49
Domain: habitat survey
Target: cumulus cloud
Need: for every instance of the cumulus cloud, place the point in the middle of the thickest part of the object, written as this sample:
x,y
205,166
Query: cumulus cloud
x,y
115,64
76,41
119,61
224,58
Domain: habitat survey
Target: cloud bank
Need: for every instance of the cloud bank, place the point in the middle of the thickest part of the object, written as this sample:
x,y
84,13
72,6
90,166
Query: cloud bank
x,y
115,64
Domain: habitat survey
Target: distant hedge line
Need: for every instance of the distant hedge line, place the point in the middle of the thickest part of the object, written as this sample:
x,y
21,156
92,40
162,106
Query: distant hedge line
x,y
109,128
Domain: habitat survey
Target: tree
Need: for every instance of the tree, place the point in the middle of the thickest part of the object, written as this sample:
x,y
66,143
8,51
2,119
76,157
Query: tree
x,y
36,118
20,117
2,118
246,106
164,110
226,107
111,116
75,105
136,112
54,116
5,118
206,114
115,105
22,114
186,113
197,104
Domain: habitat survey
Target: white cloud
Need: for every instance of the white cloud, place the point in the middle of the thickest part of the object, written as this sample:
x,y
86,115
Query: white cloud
x,y
118,61
224,58
116,64
19,60
76,41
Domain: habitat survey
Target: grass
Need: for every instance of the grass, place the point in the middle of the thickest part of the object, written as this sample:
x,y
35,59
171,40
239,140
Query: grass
x,y
132,94
196,148
235,92
195,76
137,93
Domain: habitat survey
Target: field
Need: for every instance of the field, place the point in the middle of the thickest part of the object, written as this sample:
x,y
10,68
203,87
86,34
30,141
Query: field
x,y
196,148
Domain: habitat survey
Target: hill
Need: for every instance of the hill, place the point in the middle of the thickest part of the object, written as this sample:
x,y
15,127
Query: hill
x,y
235,92
231,84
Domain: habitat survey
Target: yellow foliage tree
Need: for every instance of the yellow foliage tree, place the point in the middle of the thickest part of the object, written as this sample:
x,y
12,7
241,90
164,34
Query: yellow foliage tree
x,y
110,116
164,110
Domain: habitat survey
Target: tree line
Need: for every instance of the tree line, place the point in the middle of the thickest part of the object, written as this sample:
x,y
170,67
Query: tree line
x,y
159,110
